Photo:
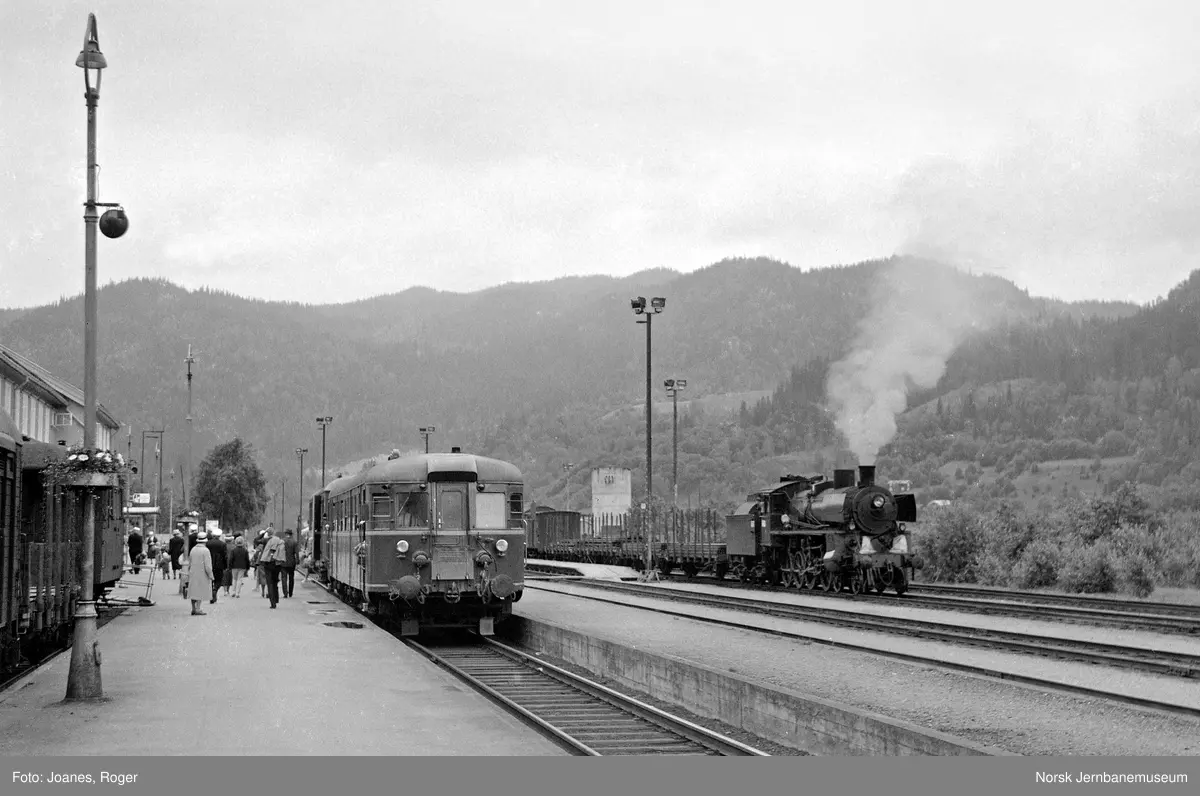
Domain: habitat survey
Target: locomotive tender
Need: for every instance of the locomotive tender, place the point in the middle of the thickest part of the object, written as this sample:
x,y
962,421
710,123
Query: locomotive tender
x,y
809,532
431,540
41,527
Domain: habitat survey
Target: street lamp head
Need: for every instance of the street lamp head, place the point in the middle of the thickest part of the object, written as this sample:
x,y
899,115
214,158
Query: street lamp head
x,y
680,383
658,303
114,223
638,304
91,60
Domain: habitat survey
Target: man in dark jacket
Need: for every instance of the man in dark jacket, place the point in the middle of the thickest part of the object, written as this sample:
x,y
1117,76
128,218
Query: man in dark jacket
x,y
175,551
220,559
135,549
291,557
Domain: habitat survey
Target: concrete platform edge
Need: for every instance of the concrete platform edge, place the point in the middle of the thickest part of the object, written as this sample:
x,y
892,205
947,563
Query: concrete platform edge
x,y
807,723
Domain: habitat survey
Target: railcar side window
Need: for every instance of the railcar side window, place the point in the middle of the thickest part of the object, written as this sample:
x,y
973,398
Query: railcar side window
x,y
489,510
413,511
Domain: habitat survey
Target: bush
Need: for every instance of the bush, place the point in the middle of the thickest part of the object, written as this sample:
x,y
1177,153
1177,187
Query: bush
x,y
949,545
1088,569
1135,574
1037,567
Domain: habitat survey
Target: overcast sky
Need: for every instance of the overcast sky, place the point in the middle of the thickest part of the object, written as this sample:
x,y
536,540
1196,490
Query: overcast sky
x,y
328,152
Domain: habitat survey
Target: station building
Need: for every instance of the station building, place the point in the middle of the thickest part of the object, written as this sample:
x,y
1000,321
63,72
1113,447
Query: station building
x,y
46,408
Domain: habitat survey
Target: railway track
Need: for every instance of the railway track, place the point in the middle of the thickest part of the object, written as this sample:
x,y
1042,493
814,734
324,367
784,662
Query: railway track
x,y
585,717
1165,618
1165,663
1105,604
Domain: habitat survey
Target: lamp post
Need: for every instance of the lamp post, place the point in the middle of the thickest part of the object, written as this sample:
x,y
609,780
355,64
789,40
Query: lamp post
x,y
425,432
674,387
188,475
300,511
156,435
567,468
647,313
323,422
83,679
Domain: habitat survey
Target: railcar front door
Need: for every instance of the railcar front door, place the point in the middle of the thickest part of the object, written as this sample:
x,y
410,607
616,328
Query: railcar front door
x,y
451,559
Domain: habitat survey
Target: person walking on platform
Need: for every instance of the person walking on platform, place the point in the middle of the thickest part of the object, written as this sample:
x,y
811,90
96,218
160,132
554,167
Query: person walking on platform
x,y
239,563
272,558
164,563
260,569
200,574
175,551
291,557
220,559
135,549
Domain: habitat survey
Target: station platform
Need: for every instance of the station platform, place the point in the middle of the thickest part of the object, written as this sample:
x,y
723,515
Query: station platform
x,y
312,677
571,568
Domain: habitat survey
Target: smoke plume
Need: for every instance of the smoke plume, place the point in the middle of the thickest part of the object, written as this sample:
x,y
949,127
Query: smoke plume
x,y
920,313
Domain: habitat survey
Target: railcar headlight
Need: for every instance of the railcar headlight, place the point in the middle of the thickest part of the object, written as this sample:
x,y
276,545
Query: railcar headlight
x,y
501,545
402,546
902,528
877,502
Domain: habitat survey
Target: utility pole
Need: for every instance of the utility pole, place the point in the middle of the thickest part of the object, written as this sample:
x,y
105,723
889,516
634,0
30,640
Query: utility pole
x,y
323,422
300,509
567,468
646,312
674,387
425,432
188,471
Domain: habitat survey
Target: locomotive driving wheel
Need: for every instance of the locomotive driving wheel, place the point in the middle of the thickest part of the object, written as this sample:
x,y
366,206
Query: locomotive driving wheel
x,y
857,581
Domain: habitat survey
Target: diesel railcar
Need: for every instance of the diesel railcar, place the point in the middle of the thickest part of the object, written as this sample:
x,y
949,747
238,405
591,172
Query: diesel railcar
x,y
41,525
429,541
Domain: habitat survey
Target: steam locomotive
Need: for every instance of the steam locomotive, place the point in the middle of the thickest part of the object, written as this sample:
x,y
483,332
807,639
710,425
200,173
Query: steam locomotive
x,y
809,532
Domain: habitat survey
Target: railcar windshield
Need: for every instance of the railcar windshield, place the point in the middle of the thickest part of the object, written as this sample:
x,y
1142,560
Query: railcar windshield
x,y
413,510
490,510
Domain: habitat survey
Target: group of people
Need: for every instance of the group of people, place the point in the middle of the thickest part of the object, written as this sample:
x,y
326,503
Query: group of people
x,y
212,564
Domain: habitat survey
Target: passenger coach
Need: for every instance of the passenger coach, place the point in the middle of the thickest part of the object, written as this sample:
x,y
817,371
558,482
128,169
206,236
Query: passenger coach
x,y
431,540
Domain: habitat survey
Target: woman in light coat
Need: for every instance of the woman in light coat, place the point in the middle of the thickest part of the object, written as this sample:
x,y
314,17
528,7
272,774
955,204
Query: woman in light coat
x,y
200,574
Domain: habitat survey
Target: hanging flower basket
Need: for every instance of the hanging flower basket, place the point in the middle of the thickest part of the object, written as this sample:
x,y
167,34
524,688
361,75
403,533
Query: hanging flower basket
x,y
81,480
87,469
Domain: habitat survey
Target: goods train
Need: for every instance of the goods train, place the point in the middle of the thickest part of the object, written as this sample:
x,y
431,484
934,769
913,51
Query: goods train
x,y
432,540
41,524
805,532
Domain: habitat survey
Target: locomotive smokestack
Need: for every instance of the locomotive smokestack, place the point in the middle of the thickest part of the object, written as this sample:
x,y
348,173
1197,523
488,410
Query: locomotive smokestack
x,y
843,479
866,474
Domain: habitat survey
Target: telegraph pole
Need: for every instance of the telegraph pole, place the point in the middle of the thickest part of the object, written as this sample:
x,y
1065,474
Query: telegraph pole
x,y
300,509
323,422
188,470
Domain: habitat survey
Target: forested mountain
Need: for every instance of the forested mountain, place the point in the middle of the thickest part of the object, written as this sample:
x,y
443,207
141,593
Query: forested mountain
x,y
551,372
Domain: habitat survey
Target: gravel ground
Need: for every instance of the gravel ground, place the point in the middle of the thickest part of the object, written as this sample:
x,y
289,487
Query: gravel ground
x,y
1012,717
1067,630
1158,687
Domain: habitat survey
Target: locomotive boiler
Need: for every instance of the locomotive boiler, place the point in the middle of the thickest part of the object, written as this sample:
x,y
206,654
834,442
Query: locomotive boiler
x,y
810,532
